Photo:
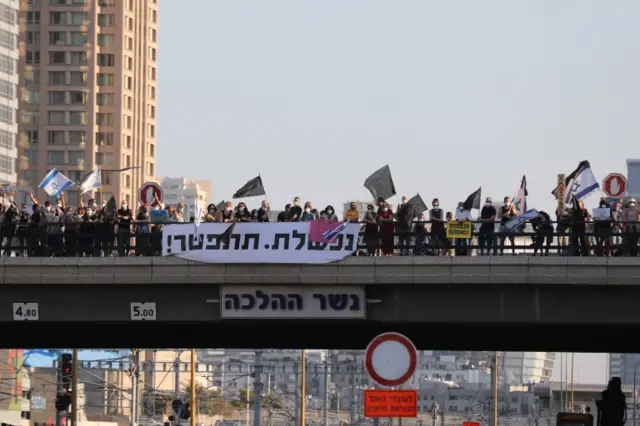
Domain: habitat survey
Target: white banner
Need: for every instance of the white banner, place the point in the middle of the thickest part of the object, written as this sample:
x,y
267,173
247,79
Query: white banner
x,y
256,243
277,302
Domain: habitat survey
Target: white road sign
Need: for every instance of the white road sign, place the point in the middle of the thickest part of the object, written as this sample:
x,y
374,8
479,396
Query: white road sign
x,y
26,311
391,359
143,311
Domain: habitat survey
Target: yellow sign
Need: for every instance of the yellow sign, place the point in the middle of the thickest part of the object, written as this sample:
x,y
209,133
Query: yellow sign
x,y
459,229
390,403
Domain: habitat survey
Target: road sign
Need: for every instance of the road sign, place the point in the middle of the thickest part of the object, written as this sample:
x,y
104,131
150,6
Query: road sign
x,y
390,403
470,423
147,192
26,311
141,311
614,185
391,359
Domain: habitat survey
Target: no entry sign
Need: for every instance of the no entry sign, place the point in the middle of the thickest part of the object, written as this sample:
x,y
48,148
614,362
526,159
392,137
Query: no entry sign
x,y
391,359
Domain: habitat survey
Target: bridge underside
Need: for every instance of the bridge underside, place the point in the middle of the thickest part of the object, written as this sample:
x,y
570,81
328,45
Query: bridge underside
x,y
569,318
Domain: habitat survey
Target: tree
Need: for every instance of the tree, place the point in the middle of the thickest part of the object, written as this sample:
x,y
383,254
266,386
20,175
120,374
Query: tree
x,y
210,402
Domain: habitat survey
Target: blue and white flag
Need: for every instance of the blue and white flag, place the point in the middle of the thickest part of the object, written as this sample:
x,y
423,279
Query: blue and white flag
x,y
197,216
55,182
580,183
520,220
333,233
92,181
520,199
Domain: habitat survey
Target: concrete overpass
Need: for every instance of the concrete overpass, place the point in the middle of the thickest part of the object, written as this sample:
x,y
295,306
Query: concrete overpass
x,y
506,303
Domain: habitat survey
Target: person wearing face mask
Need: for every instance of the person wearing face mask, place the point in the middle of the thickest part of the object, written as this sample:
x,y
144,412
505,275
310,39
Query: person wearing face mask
x,y
9,226
438,229
631,228
210,216
507,212
330,214
616,241
178,215
487,227
295,212
242,213
22,232
578,245
143,231
405,214
371,237
462,244
307,216
283,215
387,228
264,211
602,227
124,219
226,215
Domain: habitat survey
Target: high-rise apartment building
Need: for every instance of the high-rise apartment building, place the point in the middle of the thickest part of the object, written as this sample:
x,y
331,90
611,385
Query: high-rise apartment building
x,y
88,80
528,367
8,90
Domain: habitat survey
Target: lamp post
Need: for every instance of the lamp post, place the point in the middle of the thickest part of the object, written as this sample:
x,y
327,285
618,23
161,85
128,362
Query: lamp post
x,y
635,370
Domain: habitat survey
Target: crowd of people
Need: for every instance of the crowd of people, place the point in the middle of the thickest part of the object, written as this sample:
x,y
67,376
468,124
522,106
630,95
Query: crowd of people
x,y
55,229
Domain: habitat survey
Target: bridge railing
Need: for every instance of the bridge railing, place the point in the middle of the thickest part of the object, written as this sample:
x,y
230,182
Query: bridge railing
x,y
143,238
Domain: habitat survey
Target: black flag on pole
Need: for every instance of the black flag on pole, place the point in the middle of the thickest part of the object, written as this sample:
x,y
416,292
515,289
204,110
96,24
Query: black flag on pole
x,y
220,205
253,188
473,200
380,184
418,204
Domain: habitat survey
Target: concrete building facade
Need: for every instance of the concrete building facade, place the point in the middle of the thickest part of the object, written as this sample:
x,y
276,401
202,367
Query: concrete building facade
x,y
9,54
88,80
187,191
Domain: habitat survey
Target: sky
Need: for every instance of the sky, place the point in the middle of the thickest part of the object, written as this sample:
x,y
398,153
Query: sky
x,y
316,95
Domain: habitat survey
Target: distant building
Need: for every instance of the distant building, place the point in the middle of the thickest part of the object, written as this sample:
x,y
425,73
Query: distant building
x,y
186,191
528,367
623,366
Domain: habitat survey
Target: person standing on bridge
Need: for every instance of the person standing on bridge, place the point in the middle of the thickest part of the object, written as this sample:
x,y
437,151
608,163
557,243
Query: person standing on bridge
x,y
629,218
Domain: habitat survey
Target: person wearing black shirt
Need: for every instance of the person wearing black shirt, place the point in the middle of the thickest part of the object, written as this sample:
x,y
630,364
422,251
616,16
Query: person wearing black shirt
x,y
124,218
543,231
603,230
263,212
487,227
507,212
405,215
9,227
577,235
282,216
23,222
438,229
295,212
36,221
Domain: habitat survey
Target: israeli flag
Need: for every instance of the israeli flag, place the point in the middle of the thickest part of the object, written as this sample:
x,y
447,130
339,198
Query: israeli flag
x,y
521,219
333,233
54,183
197,217
581,183
92,181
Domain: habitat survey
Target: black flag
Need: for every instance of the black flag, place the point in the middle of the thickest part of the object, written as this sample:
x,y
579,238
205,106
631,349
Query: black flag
x,y
220,205
473,200
380,184
253,188
418,204
225,237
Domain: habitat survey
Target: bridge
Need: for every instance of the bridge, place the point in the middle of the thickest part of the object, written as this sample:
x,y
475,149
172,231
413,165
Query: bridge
x,y
518,302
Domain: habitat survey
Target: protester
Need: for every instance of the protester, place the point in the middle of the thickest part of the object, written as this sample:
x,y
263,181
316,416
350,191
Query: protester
x,y
263,212
387,228
487,227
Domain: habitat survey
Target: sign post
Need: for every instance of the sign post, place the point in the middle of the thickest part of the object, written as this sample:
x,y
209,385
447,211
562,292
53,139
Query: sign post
x,y
149,191
390,361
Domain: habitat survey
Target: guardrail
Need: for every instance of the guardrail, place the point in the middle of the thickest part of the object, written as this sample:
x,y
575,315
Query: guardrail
x,y
142,238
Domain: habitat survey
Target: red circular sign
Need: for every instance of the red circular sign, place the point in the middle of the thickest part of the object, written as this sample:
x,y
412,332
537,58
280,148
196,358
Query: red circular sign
x,y
148,191
407,371
614,185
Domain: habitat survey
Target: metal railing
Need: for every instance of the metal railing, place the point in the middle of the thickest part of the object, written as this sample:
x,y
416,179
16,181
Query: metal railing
x,y
91,239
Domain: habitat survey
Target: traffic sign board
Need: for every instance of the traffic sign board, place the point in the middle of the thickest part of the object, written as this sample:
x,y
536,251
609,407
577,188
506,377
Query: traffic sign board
x,y
148,191
614,185
390,359
390,403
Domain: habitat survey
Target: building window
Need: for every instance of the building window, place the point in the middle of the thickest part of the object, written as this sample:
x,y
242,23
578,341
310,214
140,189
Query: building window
x,y
103,138
107,3
79,38
31,77
128,121
126,141
33,37
152,92
57,78
151,149
57,98
77,137
56,158
150,169
78,98
8,65
152,111
55,137
33,17
106,20
152,53
129,61
129,21
127,101
79,1
151,130
57,117
7,91
77,117
30,156
6,114
105,79
78,78
57,58
128,82
152,73
7,139
104,158
106,40
104,119
126,160
79,18
153,35
32,57
57,2
105,99
57,18
32,136
30,117
154,16
106,60
128,42
76,158
29,97
9,40
78,58
57,37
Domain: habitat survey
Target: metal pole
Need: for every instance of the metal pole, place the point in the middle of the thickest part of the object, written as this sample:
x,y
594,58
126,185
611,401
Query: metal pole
x,y
194,408
257,390
352,403
74,389
248,406
561,381
325,407
176,386
297,396
635,395
494,383
59,391
135,386
303,388
572,385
